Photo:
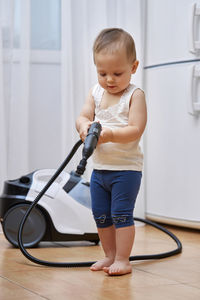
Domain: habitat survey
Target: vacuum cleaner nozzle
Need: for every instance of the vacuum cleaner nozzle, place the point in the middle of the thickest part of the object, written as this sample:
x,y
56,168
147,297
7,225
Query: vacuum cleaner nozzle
x,y
89,146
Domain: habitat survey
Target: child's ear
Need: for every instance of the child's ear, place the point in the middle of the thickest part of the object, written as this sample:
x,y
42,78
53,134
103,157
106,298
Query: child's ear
x,y
135,66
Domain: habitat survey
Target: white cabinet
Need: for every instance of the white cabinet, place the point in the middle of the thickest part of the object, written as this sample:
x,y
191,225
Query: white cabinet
x,y
172,31
172,163
172,141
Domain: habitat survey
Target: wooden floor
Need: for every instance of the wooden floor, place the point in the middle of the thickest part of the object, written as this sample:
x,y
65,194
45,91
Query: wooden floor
x,y
172,278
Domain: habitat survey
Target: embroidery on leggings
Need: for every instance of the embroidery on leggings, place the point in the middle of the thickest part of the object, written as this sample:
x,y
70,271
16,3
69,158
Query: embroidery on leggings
x,y
101,219
119,219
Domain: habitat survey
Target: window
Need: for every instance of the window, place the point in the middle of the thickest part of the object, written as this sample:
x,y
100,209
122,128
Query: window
x,y
46,24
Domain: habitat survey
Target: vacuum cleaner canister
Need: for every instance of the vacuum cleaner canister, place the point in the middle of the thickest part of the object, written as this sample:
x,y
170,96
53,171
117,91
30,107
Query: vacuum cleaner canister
x,y
63,214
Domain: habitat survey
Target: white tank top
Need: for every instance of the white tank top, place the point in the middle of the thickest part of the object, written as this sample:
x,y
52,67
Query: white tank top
x,y
116,156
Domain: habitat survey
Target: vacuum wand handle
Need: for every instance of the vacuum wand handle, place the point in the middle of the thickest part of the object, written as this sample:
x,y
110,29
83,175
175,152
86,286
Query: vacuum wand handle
x,y
89,145
91,139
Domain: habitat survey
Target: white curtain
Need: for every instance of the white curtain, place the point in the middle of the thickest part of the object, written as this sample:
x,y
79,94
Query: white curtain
x,y
14,97
6,37
46,72
3,142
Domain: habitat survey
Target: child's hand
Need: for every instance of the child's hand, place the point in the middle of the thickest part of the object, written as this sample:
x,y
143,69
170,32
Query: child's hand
x,y
105,136
83,130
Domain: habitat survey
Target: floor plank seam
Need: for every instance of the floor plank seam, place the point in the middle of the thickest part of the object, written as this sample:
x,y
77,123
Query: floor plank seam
x,y
157,275
192,286
21,286
164,277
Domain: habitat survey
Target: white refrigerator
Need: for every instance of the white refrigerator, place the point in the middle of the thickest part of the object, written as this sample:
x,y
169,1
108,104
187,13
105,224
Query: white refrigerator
x,y
172,86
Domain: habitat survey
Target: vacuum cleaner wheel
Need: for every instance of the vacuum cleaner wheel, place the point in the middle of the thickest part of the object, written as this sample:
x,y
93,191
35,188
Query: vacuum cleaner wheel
x,y
34,228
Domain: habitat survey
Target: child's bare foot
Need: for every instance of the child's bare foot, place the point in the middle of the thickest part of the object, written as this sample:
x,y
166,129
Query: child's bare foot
x,y
100,264
118,268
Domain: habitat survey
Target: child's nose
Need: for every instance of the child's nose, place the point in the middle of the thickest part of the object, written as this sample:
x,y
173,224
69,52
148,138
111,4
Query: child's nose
x,y
109,78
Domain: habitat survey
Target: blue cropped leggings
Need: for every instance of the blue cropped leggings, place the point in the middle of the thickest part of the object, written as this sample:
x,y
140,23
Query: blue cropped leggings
x,y
113,196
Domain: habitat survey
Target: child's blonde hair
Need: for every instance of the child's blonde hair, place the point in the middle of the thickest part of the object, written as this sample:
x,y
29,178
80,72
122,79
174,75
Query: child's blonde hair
x,y
111,39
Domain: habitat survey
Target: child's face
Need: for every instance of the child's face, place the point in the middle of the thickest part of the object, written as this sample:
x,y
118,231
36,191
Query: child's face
x,y
114,70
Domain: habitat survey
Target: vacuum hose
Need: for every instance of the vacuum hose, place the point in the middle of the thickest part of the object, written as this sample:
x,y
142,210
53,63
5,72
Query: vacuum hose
x,y
89,146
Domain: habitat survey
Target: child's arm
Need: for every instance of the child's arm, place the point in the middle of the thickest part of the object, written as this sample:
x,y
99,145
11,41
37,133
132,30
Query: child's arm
x,y
136,122
86,117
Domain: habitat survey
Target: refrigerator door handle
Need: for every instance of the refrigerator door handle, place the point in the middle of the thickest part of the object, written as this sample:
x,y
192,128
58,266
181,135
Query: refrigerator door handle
x,y
194,12
193,103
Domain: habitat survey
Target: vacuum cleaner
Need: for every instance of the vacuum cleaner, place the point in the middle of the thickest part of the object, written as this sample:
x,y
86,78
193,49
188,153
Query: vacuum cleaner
x,y
64,211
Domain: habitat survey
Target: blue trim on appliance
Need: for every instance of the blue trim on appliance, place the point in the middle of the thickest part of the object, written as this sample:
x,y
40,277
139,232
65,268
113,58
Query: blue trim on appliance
x,y
172,63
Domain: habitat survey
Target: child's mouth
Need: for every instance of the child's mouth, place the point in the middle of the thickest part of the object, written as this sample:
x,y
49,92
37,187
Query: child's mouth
x,y
111,86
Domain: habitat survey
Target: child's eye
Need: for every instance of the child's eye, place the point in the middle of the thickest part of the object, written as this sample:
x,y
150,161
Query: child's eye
x,y
118,74
102,74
